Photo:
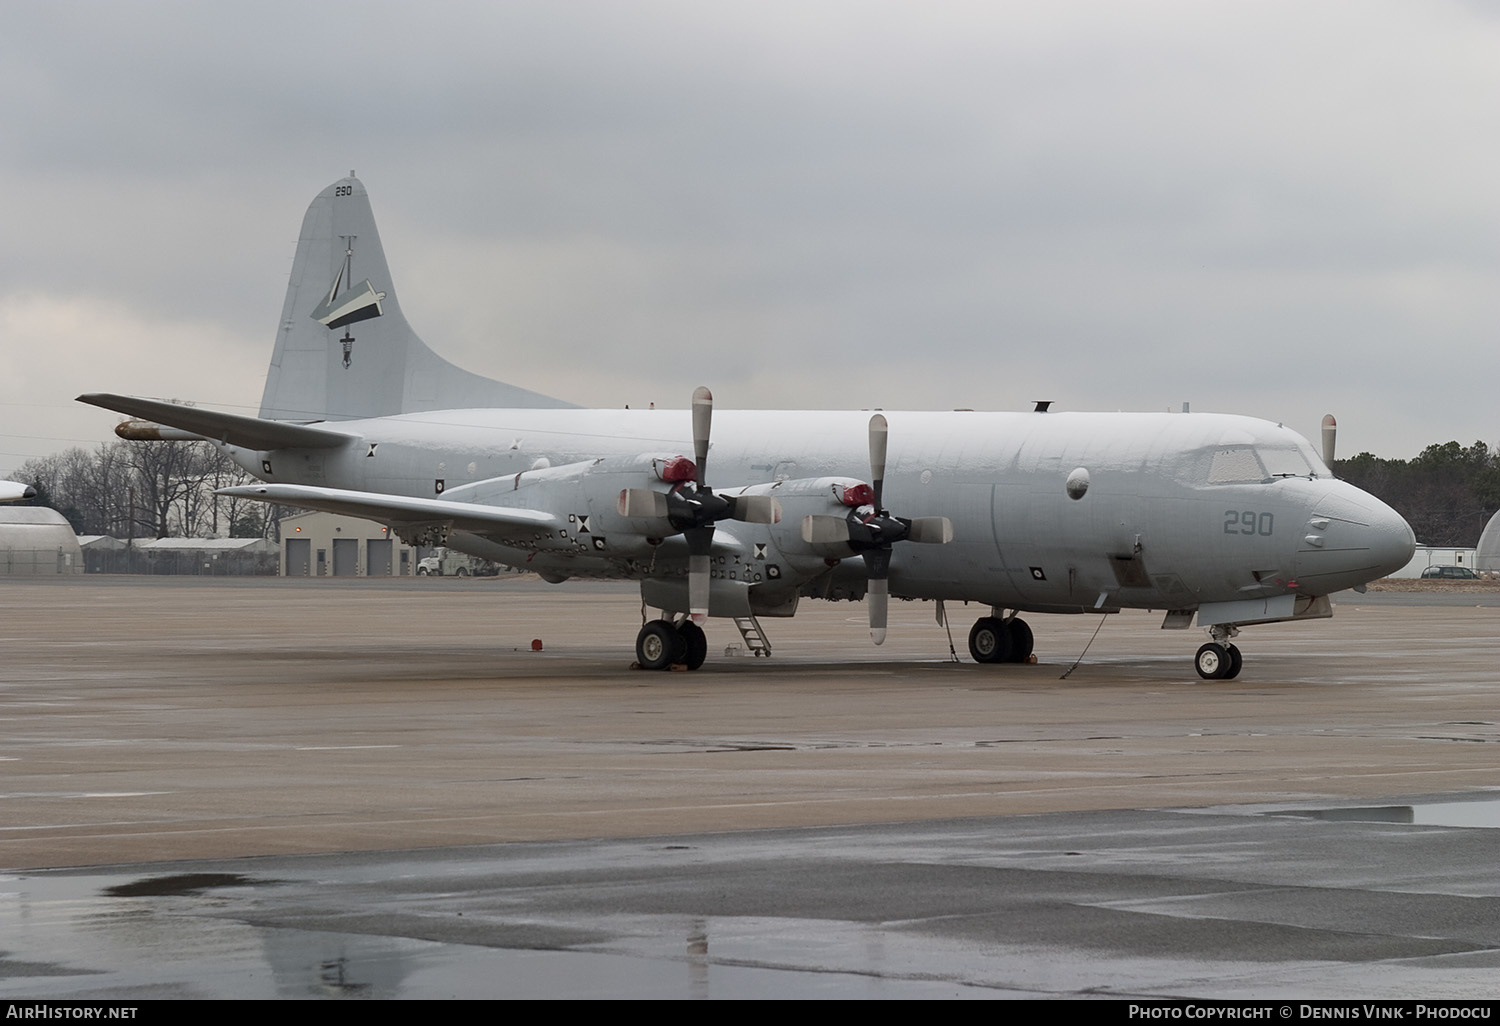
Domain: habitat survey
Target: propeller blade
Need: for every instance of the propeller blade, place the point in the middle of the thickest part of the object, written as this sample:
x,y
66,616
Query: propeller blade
x,y
698,588
754,509
642,504
878,592
703,415
930,530
878,432
878,596
1330,435
824,530
700,542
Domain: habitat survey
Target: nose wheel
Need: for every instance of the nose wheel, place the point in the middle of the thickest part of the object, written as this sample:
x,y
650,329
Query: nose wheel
x,y
1217,661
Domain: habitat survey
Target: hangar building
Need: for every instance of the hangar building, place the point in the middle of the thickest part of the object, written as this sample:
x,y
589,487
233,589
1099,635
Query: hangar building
x,y
35,540
330,545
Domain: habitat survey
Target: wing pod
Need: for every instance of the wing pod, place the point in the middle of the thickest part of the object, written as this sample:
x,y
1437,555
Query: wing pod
x,y
136,430
15,491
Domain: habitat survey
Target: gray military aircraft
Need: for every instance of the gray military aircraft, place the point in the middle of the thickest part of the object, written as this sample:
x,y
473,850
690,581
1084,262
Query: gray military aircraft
x,y
1228,519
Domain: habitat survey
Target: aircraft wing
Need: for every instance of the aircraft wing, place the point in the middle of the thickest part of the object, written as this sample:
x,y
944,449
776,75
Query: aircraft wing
x,y
399,509
231,428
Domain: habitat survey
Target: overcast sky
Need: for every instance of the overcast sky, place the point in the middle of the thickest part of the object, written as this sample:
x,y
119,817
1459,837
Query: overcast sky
x,y
1278,209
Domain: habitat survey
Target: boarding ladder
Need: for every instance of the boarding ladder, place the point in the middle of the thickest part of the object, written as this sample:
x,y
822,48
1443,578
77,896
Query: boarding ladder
x,y
756,642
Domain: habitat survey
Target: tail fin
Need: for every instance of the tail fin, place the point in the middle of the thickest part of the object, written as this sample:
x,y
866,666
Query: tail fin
x,y
343,349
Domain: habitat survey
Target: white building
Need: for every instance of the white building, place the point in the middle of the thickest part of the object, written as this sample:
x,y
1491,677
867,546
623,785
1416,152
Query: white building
x,y
1487,558
1440,555
35,540
330,545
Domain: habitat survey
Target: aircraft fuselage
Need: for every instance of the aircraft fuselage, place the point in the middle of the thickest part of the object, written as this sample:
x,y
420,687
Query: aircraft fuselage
x,y
1180,511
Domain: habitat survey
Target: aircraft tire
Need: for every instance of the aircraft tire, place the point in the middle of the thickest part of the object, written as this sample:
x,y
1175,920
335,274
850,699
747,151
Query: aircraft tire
x,y
989,641
695,644
1213,661
1236,661
658,646
1022,641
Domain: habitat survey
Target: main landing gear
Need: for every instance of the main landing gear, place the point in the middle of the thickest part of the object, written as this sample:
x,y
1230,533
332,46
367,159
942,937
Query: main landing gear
x,y
662,644
995,639
1219,660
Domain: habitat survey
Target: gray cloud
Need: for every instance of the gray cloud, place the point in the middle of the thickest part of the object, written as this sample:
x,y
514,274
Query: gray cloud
x,y
1270,208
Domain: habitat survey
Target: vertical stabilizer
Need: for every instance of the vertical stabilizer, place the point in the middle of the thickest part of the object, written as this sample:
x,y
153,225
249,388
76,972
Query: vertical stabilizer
x,y
343,348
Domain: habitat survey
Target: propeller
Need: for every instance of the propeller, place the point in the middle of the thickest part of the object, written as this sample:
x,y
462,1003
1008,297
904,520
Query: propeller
x,y
692,507
1330,434
872,533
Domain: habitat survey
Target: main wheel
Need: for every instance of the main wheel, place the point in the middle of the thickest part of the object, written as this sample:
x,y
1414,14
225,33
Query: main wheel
x,y
694,644
1236,660
1021,641
989,641
659,645
1213,661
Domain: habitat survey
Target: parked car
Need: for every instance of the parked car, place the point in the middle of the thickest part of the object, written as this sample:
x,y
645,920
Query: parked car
x,y
1450,573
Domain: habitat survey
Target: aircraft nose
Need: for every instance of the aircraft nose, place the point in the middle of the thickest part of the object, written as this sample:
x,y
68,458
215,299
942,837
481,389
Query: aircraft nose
x,y
1351,538
1393,544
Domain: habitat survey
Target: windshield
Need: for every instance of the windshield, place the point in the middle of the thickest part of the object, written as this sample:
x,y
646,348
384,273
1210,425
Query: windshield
x,y
1254,464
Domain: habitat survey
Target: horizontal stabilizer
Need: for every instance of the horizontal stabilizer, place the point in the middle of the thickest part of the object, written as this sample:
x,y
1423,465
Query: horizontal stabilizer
x,y
398,509
230,428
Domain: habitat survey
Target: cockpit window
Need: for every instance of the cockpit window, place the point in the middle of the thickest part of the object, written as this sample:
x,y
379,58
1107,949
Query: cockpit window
x,y
1235,464
1252,464
1285,461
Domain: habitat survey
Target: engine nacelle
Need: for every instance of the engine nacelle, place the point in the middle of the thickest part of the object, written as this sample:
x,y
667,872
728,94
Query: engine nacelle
x,y
587,497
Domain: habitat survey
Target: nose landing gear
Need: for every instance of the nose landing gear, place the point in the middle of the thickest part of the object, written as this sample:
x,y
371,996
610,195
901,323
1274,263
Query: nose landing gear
x,y
1219,660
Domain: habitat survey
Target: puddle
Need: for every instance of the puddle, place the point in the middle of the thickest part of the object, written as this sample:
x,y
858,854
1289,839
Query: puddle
x,y
1478,812
182,883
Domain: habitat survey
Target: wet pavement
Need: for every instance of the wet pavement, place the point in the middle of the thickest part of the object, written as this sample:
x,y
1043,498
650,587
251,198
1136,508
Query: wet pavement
x,y
280,789
1163,904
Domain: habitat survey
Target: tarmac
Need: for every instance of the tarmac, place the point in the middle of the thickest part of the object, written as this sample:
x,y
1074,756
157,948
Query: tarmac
x,y
228,787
